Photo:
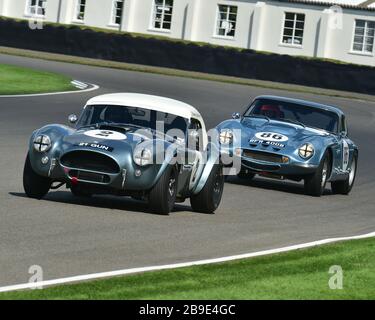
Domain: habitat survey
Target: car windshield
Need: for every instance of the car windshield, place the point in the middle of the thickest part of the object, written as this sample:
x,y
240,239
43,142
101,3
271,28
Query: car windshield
x,y
95,115
298,114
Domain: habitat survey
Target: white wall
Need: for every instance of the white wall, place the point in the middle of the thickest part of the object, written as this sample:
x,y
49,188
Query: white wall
x,y
17,9
204,28
259,24
341,41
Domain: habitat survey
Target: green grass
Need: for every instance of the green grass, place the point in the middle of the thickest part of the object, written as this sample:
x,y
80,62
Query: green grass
x,y
301,274
17,80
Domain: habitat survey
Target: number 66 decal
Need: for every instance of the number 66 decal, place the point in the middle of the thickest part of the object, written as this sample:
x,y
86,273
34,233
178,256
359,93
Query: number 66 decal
x,y
271,136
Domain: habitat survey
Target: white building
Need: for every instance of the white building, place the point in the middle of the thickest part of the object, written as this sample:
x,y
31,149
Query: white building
x,y
337,29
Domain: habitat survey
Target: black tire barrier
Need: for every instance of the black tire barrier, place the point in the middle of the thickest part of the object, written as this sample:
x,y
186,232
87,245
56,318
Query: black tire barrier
x,y
124,47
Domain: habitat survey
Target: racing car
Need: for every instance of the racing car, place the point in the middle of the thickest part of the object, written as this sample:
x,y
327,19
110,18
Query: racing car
x,y
128,144
286,138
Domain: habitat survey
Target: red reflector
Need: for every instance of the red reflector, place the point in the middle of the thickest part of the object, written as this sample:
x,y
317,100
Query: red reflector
x,y
74,180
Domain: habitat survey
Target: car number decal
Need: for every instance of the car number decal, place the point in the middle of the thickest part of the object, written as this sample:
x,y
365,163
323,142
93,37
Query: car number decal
x,y
271,136
95,146
105,134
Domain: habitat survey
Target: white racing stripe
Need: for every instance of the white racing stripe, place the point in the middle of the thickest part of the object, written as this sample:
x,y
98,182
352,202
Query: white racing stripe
x,y
83,87
103,275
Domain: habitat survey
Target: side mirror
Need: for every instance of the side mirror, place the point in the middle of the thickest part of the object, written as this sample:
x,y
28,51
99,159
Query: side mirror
x,y
72,119
236,115
343,134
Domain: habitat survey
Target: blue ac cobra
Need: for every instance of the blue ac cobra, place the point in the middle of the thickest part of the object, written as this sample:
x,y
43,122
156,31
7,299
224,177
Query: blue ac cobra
x,y
286,138
128,144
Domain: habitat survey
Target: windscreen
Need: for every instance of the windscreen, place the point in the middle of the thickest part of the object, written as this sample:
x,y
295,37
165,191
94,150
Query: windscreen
x,y
293,112
139,117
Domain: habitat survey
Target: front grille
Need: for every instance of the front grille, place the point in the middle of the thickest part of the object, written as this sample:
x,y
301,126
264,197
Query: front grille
x,y
261,167
91,161
89,176
262,156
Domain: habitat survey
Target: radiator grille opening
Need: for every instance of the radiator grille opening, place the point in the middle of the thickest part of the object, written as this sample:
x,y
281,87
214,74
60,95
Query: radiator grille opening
x,y
89,176
91,161
262,156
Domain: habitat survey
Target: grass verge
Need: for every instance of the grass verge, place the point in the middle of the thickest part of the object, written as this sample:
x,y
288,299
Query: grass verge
x,y
301,274
185,74
16,80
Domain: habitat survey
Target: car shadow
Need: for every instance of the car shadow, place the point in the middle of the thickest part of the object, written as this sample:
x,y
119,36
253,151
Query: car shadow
x,y
271,184
104,202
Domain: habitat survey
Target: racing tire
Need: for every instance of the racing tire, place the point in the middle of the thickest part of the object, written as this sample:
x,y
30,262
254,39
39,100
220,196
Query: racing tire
x,y
245,174
209,198
35,186
162,196
345,186
315,183
79,192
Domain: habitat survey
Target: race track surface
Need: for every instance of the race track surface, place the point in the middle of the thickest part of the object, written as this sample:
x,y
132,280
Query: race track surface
x,y
69,236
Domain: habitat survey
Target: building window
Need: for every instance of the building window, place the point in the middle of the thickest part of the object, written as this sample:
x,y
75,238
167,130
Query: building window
x,y
364,36
294,24
226,21
117,8
36,7
162,17
80,10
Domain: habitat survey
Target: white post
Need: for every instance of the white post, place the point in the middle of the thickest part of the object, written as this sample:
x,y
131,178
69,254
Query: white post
x,y
194,21
128,15
324,36
256,42
2,7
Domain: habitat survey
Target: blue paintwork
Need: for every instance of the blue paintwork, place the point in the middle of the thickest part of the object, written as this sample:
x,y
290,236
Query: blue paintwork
x,y
297,167
66,139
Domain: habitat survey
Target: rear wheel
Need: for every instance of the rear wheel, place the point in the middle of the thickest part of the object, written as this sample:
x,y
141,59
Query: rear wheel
x,y
245,174
209,198
35,186
345,186
315,184
162,196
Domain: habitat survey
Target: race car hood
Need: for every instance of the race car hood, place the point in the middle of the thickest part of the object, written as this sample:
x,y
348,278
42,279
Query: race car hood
x,y
107,141
279,134
289,134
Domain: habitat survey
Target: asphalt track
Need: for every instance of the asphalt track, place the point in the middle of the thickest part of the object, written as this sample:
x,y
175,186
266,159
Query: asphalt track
x,y
67,236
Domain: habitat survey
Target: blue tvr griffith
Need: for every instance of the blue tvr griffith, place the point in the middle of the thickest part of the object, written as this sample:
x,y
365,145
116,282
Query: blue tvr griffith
x,y
292,139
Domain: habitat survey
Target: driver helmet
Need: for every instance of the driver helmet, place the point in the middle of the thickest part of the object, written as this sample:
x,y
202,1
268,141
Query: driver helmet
x,y
271,111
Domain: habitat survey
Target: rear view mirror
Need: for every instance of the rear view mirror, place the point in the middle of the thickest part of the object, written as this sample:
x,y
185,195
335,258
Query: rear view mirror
x,y
72,119
236,115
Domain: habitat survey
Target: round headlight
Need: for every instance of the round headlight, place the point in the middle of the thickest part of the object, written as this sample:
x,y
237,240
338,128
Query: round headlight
x,y
306,151
142,156
226,137
42,143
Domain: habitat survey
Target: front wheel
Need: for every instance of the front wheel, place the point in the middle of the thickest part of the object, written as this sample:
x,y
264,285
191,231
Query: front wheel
x,y
35,186
163,195
315,184
345,186
209,198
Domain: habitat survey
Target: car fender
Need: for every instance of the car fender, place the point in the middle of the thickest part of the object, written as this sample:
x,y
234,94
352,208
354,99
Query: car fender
x,y
170,157
212,157
55,132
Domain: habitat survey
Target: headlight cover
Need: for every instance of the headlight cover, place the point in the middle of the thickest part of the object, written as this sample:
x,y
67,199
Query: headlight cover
x,y
42,143
306,151
142,156
226,136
